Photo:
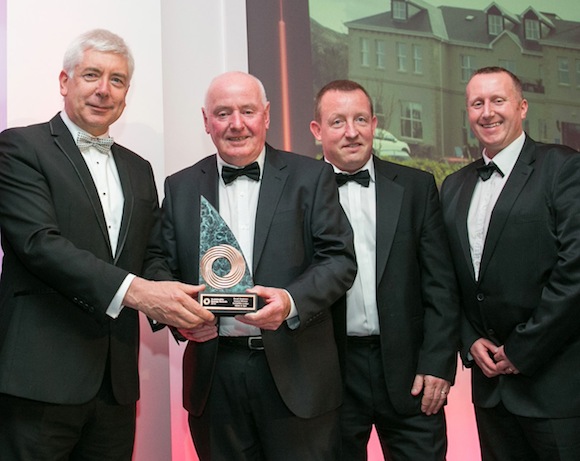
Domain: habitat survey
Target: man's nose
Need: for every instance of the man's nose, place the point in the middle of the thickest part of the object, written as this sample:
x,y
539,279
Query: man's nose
x,y
236,121
488,110
103,87
351,130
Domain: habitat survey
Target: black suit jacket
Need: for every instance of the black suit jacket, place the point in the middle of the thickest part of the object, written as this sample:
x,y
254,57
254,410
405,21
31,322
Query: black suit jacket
x,y
58,274
302,243
416,288
528,293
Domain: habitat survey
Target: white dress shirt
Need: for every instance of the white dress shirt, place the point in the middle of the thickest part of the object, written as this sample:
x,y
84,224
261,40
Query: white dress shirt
x,y
359,204
485,196
108,184
238,208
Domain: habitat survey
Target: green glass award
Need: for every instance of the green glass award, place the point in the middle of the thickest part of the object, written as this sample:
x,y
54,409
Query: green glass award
x,y
222,267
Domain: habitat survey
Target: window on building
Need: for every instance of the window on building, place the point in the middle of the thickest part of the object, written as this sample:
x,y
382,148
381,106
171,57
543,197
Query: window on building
x,y
532,27
402,57
364,52
399,10
563,71
578,73
417,59
379,113
380,50
494,24
467,67
469,136
542,129
412,120
508,64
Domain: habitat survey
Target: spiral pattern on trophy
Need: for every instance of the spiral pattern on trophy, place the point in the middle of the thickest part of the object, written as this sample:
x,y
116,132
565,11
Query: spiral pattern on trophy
x,y
237,266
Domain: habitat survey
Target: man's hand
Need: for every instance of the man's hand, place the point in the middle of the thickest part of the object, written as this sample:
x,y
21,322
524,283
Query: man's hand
x,y
504,365
435,391
201,333
274,312
483,351
170,303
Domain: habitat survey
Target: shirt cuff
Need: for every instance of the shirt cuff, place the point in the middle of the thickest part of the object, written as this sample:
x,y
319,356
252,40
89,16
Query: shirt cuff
x,y
292,320
116,306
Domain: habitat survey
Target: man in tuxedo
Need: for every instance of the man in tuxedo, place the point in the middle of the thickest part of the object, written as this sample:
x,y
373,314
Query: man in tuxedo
x,y
398,327
264,385
80,225
513,219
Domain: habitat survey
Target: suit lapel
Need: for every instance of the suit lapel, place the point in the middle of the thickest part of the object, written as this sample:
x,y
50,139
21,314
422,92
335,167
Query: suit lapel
x,y
208,186
205,185
463,203
64,141
389,196
273,181
510,193
125,177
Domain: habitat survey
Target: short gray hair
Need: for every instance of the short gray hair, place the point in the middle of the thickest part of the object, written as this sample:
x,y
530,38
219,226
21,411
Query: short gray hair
x,y
99,40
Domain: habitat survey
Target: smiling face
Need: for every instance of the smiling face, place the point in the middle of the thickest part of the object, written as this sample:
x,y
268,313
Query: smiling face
x,y
345,129
94,96
237,116
496,110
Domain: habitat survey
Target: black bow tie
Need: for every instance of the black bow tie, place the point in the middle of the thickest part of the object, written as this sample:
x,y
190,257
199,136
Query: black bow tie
x,y
252,171
486,171
362,177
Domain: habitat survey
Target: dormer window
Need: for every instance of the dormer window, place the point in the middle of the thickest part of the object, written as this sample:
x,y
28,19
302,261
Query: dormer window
x,y
399,9
532,27
494,24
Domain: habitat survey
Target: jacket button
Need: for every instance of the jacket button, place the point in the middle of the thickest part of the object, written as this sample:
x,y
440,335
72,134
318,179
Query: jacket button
x,y
480,296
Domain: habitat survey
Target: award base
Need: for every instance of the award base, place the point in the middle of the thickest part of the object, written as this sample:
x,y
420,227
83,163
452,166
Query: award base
x,y
229,303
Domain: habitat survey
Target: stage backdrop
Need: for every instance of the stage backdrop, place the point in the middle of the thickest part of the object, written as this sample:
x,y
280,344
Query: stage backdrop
x,y
415,67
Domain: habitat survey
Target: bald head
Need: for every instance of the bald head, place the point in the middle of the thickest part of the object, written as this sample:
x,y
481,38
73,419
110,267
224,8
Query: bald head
x,y
237,116
236,77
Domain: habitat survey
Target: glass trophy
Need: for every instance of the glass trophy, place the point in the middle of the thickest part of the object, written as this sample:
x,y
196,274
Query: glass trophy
x,y
222,267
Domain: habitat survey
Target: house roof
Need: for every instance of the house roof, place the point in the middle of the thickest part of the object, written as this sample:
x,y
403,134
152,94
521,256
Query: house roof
x,y
469,26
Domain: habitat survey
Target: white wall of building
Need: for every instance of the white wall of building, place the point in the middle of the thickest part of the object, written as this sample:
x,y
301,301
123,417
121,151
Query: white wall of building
x,y
179,46
199,42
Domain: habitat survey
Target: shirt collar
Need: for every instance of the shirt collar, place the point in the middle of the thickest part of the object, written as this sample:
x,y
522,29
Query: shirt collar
x,y
261,160
507,158
75,129
370,165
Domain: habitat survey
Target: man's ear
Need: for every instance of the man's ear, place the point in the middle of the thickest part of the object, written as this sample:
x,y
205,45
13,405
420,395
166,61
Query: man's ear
x,y
315,129
63,80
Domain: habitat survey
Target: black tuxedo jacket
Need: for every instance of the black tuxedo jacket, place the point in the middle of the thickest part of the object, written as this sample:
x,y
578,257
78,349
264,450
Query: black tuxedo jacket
x,y
416,288
528,293
302,243
58,274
